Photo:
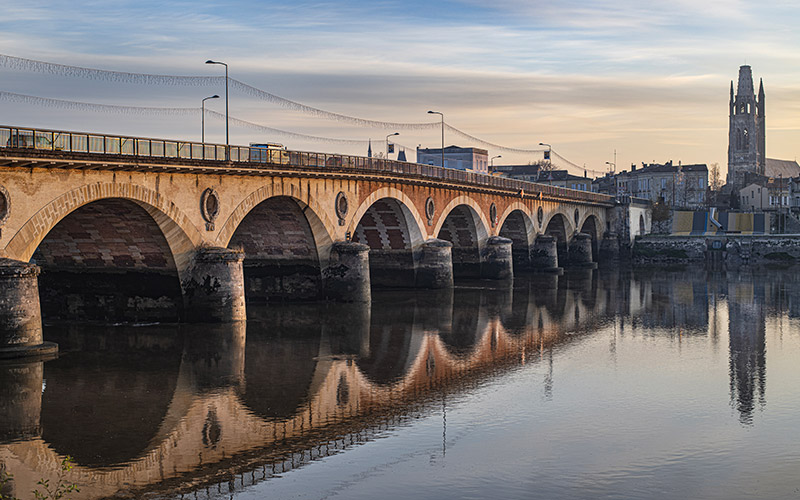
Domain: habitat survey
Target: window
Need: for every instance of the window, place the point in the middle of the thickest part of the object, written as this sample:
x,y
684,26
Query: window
x,y
663,184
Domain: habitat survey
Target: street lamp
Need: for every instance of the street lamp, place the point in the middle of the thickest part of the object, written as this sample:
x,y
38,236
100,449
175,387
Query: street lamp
x,y
387,143
227,121
442,115
203,120
491,162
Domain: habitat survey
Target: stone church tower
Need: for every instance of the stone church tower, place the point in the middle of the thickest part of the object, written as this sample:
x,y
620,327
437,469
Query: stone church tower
x,y
747,132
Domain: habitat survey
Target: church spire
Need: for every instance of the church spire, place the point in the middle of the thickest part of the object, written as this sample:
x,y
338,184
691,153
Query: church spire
x,y
369,149
731,107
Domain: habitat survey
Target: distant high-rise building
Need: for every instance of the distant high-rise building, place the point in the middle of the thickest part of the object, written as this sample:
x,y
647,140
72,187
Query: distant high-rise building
x,y
747,132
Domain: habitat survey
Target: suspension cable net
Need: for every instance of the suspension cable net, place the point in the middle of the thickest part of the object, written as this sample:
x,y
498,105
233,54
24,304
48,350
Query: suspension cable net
x,y
23,64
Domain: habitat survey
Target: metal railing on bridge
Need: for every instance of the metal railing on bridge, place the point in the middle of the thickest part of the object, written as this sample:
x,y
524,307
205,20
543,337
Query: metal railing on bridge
x,y
82,142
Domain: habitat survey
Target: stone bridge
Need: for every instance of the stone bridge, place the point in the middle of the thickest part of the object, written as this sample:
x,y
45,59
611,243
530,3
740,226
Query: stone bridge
x,y
95,227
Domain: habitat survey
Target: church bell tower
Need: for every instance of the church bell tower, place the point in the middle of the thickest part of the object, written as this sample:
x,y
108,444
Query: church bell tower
x,y
747,131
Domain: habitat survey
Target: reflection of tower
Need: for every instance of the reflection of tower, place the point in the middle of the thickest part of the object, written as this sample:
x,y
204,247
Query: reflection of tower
x,y
747,332
747,133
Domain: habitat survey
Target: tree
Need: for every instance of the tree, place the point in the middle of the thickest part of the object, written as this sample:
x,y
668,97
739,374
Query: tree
x,y
714,180
661,210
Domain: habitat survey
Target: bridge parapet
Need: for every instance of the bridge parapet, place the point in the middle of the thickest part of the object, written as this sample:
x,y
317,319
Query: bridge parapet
x,y
66,144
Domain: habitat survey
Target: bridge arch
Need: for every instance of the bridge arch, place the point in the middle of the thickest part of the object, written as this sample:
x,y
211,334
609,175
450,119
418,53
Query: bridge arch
x,y
464,224
181,235
109,252
281,237
322,226
592,226
417,229
516,224
558,225
390,225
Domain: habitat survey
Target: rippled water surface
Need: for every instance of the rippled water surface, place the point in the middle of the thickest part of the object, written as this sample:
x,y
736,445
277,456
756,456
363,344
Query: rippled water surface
x,y
659,383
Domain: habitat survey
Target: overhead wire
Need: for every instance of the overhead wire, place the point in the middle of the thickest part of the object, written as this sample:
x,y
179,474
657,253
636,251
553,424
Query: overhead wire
x,y
23,64
146,110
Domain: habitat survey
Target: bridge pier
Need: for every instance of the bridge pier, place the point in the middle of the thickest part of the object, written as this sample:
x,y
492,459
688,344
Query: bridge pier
x,y
609,248
20,314
580,252
214,289
346,279
435,266
498,260
544,255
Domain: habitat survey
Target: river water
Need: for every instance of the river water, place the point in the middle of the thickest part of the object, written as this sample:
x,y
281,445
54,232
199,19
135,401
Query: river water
x,y
656,383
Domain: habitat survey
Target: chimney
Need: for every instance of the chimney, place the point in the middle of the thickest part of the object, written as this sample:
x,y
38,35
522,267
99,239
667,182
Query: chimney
x,y
633,167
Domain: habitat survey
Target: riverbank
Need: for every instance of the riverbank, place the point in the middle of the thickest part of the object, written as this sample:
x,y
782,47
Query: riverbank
x,y
731,249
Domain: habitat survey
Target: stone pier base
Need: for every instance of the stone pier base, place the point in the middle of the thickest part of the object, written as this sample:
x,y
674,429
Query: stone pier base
x,y
580,252
435,266
214,287
498,261
609,249
346,279
544,255
20,314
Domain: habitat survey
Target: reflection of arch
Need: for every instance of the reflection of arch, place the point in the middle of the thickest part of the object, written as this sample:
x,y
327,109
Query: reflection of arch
x,y
464,228
387,226
100,428
469,323
642,228
281,260
518,227
182,236
321,225
391,346
268,392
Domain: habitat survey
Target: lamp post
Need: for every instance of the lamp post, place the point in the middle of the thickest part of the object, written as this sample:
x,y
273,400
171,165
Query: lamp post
x,y
491,162
387,143
549,151
227,120
442,115
203,120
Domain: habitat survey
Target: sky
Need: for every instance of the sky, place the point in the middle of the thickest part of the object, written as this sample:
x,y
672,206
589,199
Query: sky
x,y
647,81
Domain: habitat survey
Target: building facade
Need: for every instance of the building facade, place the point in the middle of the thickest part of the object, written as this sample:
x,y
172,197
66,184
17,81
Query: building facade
x,y
474,159
680,186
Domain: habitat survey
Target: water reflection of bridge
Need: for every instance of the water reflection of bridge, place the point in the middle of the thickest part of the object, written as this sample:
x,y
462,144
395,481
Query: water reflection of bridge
x,y
305,382
143,409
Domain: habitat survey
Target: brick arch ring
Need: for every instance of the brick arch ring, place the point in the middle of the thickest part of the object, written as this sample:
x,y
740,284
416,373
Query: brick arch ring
x,y
482,230
322,226
182,236
416,229
569,224
599,226
518,205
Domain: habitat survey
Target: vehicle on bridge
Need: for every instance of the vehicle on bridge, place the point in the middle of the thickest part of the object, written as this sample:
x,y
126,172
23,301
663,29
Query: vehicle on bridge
x,y
268,152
